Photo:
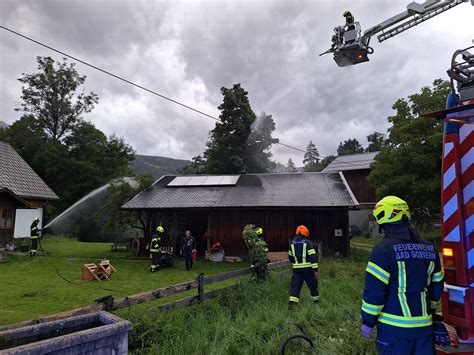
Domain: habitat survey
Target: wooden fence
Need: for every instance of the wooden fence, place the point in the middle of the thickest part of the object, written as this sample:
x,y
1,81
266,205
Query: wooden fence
x,y
112,304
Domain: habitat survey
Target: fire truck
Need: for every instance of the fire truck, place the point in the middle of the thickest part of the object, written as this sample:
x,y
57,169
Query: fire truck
x,y
351,47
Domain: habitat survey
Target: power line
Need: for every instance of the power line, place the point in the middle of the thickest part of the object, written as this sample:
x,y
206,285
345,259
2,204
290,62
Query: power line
x,y
111,74
127,81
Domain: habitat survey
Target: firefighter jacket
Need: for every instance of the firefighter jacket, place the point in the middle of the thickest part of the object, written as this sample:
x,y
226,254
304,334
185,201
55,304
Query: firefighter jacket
x,y
34,230
403,280
155,246
302,254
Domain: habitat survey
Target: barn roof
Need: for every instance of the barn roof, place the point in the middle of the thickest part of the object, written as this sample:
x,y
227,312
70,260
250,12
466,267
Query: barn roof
x,y
351,162
250,190
18,178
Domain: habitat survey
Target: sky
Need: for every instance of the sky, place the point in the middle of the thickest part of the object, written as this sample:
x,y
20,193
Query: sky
x,y
188,50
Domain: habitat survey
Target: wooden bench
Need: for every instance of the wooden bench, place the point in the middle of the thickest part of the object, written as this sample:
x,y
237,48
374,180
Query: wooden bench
x,y
121,243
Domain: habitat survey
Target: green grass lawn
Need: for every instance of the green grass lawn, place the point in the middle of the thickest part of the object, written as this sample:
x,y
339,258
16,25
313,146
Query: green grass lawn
x,y
254,319
433,236
30,287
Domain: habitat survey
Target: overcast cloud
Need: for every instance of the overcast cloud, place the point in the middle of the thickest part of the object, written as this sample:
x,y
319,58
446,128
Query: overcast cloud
x,y
188,50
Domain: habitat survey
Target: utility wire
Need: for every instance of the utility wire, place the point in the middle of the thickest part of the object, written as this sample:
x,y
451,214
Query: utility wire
x,y
127,81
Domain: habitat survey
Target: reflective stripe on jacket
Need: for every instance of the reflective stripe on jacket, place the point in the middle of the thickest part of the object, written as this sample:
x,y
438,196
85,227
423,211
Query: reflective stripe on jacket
x,y
403,277
302,254
155,244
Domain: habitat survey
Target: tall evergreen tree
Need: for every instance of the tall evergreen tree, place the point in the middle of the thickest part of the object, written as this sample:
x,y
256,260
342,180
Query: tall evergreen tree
x,y
311,157
291,167
257,153
239,143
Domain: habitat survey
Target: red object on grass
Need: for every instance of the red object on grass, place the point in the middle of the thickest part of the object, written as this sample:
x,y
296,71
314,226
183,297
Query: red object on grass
x,y
195,255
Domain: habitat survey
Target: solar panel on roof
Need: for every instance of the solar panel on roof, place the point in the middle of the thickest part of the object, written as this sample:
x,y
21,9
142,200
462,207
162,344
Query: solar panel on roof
x,y
196,181
229,180
214,180
179,181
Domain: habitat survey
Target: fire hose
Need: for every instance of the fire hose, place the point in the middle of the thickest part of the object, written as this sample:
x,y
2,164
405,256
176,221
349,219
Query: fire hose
x,y
303,336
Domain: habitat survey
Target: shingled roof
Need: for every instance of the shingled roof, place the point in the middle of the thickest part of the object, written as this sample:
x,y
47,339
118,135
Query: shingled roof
x,y
18,178
351,162
250,190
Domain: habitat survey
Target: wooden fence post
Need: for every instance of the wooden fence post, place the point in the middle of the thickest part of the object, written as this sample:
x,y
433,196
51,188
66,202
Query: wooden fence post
x,y
200,280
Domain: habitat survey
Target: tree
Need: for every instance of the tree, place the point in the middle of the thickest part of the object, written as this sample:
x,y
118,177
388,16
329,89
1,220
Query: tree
x,y
91,161
50,97
325,162
239,143
70,154
24,135
350,146
311,157
290,167
375,140
279,168
409,163
257,153
115,219
197,166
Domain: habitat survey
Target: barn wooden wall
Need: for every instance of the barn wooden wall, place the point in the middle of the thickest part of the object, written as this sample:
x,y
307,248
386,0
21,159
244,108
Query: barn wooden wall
x,y
357,180
279,226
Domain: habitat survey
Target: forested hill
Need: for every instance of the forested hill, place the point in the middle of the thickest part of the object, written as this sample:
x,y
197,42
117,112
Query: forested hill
x,y
157,166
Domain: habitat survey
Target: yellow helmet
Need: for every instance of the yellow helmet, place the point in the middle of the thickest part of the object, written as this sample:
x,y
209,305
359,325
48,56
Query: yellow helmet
x,y
259,231
160,229
391,209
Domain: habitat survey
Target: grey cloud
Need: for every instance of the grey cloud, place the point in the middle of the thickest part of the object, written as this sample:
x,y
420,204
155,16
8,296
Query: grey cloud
x,y
188,50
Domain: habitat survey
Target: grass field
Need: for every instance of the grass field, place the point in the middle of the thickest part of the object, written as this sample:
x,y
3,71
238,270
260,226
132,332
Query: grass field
x,y
30,287
433,236
251,318
254,319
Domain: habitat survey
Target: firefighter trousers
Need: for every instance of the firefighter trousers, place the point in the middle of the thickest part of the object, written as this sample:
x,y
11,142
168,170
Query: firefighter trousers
x,y
155,261
34,246
388,344
299,277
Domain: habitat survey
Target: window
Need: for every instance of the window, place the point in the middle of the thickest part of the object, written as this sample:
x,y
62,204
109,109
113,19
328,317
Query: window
x,y
6,218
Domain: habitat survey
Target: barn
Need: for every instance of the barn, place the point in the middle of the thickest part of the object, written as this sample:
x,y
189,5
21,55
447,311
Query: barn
x,y
356,168
20,188
217,207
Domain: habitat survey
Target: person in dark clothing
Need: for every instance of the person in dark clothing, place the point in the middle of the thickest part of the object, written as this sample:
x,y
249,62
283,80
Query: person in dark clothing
x,y
349,20
305,266
34,235
188,247
403,282
155,249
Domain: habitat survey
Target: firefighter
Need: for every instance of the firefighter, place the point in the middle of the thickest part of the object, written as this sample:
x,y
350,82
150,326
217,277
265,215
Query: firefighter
x,y
349,20
403,281
189,247
305,266
34,235
155,249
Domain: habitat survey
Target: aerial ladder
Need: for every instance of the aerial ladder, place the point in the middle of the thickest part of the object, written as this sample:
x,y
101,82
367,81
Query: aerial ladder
x,y
351,47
